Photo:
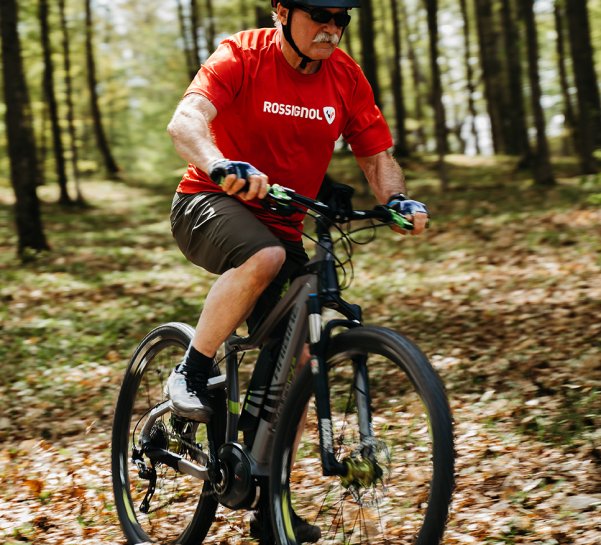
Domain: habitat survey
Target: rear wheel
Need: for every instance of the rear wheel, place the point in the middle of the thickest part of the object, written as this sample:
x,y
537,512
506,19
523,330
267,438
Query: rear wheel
x,y
401,476
182,507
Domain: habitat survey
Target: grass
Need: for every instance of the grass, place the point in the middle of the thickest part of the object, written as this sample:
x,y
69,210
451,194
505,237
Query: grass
x,y
502,293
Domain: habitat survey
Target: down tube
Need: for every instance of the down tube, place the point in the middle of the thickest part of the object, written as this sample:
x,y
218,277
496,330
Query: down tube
x,y
292,349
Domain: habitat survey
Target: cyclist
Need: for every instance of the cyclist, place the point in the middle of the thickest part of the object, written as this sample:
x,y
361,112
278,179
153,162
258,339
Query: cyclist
x,y
267,106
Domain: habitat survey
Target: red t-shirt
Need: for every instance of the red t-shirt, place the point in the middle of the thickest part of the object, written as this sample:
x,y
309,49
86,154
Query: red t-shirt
x,y
281,121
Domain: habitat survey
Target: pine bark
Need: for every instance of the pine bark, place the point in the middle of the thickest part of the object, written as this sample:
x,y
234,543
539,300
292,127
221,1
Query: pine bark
x,y
21,140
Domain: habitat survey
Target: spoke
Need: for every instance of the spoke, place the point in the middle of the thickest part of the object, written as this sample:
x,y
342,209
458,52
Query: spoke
x,y
382,529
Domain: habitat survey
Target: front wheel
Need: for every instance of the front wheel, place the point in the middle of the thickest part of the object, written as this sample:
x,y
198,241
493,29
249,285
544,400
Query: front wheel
x,y
400,479
182,507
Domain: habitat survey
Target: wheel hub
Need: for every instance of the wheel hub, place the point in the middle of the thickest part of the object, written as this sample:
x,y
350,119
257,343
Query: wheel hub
x,y
366,470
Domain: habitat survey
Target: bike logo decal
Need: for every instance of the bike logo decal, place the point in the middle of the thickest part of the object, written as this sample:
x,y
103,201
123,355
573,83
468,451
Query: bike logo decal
x,y
326,432
330,114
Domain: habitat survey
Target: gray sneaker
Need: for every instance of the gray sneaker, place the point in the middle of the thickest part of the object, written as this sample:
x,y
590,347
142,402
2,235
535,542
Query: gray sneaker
x,y
188,393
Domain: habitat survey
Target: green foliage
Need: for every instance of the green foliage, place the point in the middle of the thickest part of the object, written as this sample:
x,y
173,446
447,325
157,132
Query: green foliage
x,y
142,72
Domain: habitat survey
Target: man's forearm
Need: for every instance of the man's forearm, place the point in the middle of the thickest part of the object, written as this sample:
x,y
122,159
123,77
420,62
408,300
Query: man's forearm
x,y
384,175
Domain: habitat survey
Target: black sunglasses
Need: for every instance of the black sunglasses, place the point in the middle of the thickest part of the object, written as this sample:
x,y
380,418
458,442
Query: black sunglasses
x,y
323,16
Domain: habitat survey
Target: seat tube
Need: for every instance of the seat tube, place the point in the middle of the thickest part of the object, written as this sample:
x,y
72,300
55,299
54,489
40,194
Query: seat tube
x,y
319,371
233,395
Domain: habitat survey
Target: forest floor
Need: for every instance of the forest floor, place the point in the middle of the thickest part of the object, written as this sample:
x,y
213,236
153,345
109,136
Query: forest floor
x,y
503,293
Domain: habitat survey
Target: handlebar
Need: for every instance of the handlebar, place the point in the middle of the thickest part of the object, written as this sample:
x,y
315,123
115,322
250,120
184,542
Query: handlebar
x,y
284,197
281,200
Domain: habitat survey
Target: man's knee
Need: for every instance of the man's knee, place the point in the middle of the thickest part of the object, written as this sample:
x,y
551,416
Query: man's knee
x,y
267,262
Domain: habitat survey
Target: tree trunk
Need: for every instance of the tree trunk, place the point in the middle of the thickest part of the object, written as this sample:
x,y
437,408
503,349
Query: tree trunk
x,y
589,108
418,78
543,173
492,72
21,141
348,41
210,28
369,58
191,65
517,141
69,100
263,15
243,11
569,115
42,142
400,149
194,24
101,141
469,76
57,140
442,146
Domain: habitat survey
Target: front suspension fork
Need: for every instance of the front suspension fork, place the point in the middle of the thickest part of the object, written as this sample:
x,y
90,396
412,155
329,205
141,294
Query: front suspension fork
x,y
318,342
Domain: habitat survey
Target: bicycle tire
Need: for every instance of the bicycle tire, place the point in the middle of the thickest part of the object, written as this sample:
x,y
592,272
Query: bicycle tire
x,y
182,508
410,505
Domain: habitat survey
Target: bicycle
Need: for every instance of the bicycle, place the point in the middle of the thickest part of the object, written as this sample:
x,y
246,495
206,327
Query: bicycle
x,y
370,460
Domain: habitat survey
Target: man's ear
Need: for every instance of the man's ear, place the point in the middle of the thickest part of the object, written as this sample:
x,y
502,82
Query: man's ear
x,y
282,13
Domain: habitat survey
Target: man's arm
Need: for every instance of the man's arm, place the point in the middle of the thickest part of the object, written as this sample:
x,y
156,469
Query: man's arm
x,y
191,135
384,175
189,130
386,178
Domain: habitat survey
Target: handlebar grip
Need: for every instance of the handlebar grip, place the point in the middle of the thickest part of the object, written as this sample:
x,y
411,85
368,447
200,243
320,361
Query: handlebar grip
x,y
218,174
400,220
224,167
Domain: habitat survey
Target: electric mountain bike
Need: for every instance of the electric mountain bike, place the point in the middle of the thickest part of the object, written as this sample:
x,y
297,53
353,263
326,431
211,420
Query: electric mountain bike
x,y
355,436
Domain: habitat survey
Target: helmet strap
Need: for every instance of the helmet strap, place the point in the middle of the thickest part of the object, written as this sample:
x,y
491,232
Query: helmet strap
x,y
288,35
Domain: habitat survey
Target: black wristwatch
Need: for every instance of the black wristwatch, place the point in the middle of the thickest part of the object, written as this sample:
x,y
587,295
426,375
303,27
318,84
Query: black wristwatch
x,y
397,197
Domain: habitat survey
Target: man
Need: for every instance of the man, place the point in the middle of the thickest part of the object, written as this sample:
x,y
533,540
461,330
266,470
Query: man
x,y
267,107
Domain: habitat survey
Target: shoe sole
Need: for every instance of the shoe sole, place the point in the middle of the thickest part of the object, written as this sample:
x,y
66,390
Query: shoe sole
x,y
198,415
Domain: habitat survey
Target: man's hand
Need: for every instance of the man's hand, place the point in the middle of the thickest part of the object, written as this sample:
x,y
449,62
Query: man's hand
x,y
414,211
239,178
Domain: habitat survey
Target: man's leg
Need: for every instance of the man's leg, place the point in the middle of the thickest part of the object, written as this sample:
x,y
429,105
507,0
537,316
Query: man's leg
x,y
218,233
228,303
233,296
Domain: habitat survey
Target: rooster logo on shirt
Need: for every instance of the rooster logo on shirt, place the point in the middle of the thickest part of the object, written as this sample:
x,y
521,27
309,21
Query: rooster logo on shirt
x,y
330,114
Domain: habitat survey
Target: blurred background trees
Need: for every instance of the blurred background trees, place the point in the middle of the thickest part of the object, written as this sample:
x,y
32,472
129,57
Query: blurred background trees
x,y
89,85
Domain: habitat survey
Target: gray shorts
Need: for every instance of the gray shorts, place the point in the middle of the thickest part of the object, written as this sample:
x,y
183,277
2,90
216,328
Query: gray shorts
x,y
217,232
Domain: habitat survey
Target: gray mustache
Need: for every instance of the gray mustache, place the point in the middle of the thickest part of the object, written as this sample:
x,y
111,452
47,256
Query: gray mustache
x,y
324,37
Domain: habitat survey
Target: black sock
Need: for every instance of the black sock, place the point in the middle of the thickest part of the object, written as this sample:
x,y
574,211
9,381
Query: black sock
x,y
197,361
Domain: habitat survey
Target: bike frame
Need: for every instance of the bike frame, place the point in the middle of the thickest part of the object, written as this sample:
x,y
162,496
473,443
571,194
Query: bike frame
x,y
304,301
